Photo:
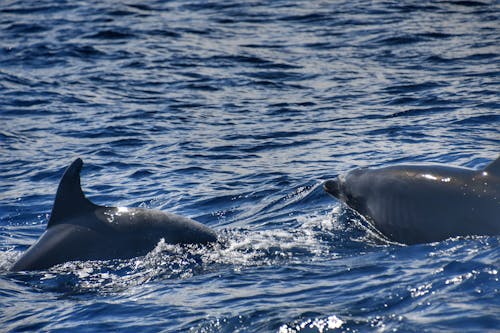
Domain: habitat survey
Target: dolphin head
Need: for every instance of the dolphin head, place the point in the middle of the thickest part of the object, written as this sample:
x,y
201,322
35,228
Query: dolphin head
x,y
351,188
418,203
333,187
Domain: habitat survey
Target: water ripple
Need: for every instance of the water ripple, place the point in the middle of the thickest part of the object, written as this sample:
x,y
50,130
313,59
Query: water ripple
x,y
233,113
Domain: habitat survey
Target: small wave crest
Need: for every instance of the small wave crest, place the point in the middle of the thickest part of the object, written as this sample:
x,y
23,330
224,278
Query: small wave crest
x,y
313,240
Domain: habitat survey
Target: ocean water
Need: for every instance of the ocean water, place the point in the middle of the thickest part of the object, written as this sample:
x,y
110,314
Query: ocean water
x,y
233,113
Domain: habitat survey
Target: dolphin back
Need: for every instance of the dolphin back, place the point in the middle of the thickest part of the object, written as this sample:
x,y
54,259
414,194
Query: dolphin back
x,y
494,168
59,244
81,230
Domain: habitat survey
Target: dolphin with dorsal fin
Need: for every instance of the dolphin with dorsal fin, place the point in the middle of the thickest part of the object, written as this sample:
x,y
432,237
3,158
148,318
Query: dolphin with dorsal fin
x,y
81,230
423,203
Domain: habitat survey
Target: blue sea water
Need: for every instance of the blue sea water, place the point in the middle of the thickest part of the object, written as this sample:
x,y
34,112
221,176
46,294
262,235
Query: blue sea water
x,y
233,113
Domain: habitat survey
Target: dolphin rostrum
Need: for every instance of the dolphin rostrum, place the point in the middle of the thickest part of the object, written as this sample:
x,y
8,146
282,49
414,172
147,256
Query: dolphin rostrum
x,y
81,230
423,203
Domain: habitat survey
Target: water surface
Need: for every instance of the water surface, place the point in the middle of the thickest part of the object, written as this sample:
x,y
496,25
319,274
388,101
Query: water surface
x,y
233,114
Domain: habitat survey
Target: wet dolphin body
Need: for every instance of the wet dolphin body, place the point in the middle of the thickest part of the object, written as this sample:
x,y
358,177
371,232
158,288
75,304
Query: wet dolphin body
x,y
80,230
423,203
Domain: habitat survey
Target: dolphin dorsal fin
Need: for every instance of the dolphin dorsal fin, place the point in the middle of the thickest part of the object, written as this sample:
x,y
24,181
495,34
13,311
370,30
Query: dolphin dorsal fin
x,y
494,167
69,197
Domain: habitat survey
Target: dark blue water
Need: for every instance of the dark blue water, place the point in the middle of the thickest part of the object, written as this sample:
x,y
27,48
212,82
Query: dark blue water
x,y
233,114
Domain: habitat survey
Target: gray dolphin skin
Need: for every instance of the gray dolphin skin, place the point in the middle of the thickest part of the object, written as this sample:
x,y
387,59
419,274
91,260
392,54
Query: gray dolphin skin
x,y
413,204
81,230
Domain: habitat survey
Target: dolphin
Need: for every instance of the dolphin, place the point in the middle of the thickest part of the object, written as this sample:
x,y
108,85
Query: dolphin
x,y
413,204
81,230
